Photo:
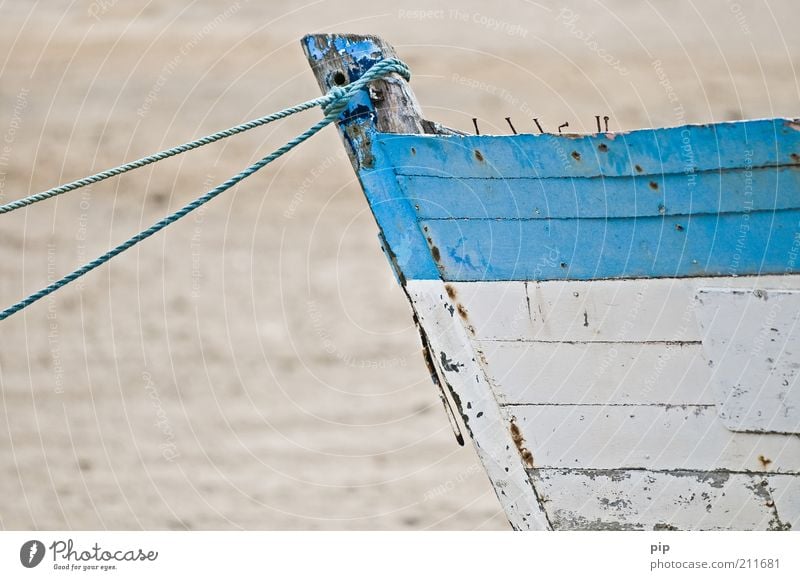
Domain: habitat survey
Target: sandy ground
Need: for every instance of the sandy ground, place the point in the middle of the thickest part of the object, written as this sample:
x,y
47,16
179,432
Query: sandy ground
x,y
255,366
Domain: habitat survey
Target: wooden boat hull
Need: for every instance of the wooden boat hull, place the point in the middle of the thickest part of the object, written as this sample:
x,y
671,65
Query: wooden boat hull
x,y
615,316
616,422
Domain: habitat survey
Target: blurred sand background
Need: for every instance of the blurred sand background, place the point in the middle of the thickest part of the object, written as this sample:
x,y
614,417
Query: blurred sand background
x,y
255,366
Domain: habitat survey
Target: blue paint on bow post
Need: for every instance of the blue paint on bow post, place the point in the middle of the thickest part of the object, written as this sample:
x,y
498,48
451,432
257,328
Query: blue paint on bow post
x,y
340,59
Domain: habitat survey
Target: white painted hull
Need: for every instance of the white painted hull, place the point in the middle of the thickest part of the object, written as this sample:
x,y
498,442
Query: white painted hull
x,y
597,404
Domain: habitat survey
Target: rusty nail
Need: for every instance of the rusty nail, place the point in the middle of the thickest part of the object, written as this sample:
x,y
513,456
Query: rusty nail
x,y
605,119
475,123
508,120
561,126
538,126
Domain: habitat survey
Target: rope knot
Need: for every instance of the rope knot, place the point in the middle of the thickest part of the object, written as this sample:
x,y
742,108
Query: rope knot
x,y
339,97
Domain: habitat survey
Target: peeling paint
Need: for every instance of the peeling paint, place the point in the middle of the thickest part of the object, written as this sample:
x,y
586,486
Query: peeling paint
x,y
569,520
763,494
579,499
449,365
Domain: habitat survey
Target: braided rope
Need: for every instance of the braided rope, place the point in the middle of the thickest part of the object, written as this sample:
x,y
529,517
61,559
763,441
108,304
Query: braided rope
x,y
333,104
329,102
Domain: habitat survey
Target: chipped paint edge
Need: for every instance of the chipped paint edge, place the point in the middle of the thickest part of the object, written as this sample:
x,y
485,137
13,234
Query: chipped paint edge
x,y
499,448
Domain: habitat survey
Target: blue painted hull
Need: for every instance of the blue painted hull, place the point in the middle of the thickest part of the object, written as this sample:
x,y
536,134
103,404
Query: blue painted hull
x,y
700,200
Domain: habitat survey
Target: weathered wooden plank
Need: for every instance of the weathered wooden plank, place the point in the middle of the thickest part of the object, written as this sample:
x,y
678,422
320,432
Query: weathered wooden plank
x,y
490,431
650,500
388,105
752,338
586,249
597,373
604,197
339,59
648,437
688,149
642,310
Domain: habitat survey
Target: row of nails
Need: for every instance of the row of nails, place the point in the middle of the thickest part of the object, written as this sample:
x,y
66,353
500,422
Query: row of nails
x,y
539,126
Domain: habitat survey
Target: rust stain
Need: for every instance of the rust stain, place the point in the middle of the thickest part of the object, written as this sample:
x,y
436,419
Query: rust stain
x,y
576,156
639,169
764,462
603,147
355,131
452,294
362,142
482,358
478,155
519,442
795,157
434,250
516,434
653,185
